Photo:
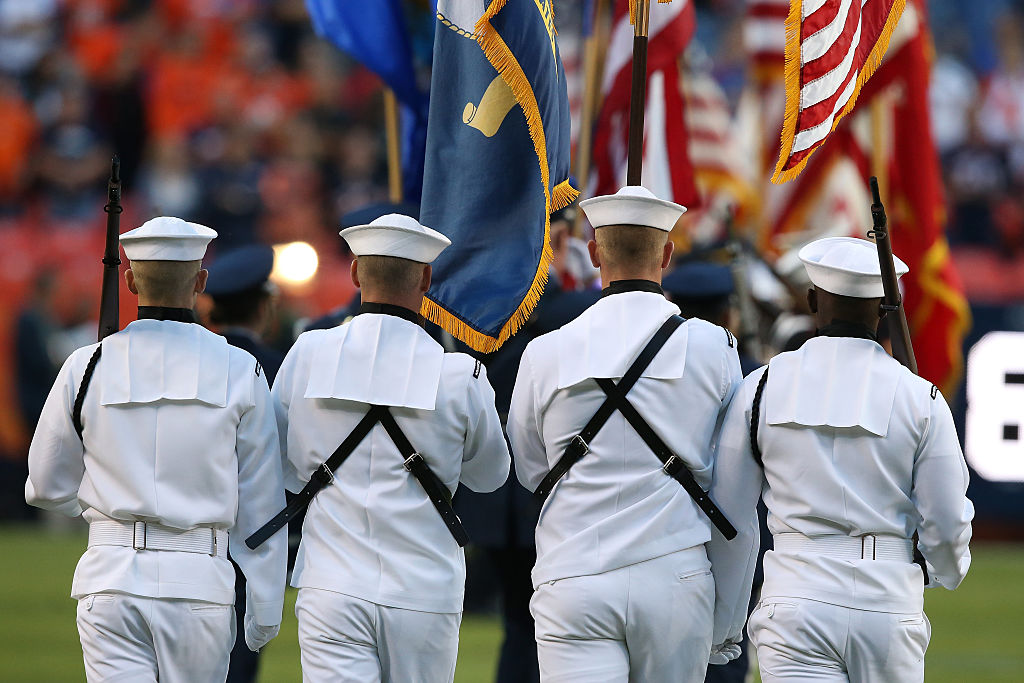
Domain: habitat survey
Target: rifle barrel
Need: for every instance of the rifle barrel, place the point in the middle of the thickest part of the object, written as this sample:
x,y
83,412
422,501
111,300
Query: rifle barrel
x,y
109,295
899,330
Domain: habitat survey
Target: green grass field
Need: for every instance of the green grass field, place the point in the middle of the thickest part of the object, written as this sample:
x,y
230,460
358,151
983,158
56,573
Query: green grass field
x,y
976,630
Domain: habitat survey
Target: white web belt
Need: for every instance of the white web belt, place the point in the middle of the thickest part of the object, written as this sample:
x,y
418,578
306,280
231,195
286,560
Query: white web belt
x,y
152,536
866,547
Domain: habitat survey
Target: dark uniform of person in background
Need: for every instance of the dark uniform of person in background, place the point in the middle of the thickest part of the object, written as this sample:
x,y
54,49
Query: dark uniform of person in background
x,y
243,307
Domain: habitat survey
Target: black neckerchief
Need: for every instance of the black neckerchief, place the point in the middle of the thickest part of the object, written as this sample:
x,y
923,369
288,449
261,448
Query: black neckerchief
x,y
620,286
843,328
178,315
390,309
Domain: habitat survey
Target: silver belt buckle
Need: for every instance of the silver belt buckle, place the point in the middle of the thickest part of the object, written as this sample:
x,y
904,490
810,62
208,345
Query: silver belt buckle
x,y
580,443
669,463
867,548
213,542
139,535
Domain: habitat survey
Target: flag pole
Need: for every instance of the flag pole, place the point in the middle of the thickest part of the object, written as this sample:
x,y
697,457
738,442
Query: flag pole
x,y
591,84
391,130
638,93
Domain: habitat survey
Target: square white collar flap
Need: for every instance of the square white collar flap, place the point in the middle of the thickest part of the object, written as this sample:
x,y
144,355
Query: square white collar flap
x,y
153,360
835,382
377,359
605,339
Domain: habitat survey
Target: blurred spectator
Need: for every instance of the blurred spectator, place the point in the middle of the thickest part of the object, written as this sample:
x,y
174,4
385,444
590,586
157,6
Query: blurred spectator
x,y
169,185
1002,110
231,202
73,160
28,29
19,135
953,95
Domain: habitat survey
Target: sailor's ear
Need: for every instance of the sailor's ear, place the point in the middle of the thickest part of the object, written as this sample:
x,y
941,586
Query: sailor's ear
x,y
428,273
812,300
354,271
595,259
666,257
129,279
201,277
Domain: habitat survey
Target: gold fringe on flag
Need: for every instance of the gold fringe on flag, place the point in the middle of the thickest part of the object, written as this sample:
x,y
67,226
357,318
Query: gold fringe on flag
x,y
792,69
501,58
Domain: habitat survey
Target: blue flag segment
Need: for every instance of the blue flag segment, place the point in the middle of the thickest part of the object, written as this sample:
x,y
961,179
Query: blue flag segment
x,y
376,34
497,164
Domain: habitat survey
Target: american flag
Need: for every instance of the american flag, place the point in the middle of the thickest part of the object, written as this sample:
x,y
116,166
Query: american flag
x,y
832,48
666,165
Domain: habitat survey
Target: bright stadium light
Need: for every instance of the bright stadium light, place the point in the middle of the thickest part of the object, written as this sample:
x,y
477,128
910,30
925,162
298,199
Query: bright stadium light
x,y
295,263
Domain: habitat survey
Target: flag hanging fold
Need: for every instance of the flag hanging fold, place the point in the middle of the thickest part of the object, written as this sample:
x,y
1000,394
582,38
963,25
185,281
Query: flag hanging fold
x,y
497,164
666,169
376,34
832,48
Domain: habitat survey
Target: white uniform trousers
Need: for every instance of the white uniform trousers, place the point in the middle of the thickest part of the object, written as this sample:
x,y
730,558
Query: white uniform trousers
x,y
132,638
808,640
347,640
648,622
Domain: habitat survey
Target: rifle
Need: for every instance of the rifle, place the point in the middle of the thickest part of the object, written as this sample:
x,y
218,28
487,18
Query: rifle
x,y
109,297
892,304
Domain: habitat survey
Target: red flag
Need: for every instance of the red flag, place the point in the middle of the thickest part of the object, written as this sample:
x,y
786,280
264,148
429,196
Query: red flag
x,y
934,298
832,49
666,165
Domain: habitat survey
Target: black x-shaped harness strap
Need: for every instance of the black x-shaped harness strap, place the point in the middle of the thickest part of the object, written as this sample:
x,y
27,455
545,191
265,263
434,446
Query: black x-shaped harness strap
x,y
323,476
616,400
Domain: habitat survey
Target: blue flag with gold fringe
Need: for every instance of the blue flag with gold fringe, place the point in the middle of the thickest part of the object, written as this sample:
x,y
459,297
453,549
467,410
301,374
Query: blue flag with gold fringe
x,y
497,164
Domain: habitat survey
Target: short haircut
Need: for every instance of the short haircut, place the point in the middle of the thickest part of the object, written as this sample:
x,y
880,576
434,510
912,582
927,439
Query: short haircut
x,y
165,280
851,308
630,246
389,274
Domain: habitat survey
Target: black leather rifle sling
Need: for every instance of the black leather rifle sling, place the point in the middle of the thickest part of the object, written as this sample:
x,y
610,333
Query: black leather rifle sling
x,y
616,400
323,476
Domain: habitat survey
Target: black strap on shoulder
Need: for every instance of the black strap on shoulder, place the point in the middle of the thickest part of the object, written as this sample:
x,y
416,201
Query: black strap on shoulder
x,y
671,463
76,411
435,488
579,445
755,419
323,476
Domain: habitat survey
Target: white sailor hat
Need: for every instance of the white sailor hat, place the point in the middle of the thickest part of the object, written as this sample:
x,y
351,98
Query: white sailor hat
x,y
846,266
632,205
396,235
167,239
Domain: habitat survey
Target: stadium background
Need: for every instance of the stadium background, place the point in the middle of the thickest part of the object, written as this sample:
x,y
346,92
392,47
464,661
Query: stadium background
x,y
233,113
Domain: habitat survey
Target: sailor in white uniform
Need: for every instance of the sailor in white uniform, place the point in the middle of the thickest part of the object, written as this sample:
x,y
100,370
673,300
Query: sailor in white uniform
x,y
380,571
623,585
858,454
163,438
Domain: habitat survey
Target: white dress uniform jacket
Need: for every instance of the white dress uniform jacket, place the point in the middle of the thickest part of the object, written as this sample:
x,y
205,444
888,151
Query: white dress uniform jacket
x,y
373,534
616,507
178,430
853,444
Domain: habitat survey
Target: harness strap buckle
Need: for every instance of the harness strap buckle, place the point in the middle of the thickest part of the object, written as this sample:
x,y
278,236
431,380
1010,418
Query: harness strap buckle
x,y
411,461
672,465
323,474
579,444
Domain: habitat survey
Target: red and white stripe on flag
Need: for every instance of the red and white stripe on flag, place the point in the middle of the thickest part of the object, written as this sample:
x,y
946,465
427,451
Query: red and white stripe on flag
x,y
832,48
666,169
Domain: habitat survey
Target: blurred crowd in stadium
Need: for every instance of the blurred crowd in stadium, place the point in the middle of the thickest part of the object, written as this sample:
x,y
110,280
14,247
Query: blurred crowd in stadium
x,y
234,114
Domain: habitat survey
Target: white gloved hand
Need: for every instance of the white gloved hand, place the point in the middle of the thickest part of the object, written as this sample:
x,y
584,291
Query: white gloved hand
x,y
724,653
256,636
